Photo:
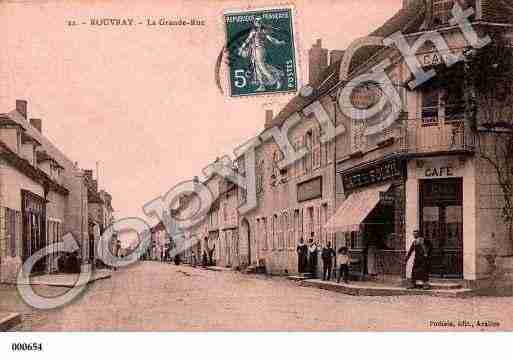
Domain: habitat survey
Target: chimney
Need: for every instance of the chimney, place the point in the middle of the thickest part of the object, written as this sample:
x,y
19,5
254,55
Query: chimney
x,y
37,123
407,3
268,118
336,55
88,174
21,107
317,62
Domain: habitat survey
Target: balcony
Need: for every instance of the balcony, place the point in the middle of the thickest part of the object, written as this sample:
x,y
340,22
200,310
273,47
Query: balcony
x,y
417,137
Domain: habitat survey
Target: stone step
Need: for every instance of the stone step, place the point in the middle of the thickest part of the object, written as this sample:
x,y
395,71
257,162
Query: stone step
x,y
362,289
299,277
446,285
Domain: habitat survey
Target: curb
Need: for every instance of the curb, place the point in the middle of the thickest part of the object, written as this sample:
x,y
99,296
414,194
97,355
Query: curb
x,y
356,290
9,321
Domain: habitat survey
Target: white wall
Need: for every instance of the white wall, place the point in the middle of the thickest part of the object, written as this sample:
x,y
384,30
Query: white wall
x,y
13,182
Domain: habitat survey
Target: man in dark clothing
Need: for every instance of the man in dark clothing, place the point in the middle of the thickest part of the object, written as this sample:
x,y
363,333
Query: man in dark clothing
x,y
327,261
312,257
302,251
204,259
421,261
211,255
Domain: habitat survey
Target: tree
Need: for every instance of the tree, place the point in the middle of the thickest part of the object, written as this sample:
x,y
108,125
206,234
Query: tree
x,y
489,102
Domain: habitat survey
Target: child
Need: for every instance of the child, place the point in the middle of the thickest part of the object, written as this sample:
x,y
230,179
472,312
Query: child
x,y
343,260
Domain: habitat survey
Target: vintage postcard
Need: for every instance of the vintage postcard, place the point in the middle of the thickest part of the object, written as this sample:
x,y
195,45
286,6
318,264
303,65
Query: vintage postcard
x,y
233,165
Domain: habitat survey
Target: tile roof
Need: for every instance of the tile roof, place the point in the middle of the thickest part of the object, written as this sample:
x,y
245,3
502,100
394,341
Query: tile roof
x,y
42,156
5,121
30,171
47,145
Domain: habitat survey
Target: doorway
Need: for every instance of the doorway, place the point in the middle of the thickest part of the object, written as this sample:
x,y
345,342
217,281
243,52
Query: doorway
x,y
247,233
33,208
441,222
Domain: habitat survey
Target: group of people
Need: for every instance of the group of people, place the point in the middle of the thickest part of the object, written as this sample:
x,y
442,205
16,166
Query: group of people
x,y
307,260
308,254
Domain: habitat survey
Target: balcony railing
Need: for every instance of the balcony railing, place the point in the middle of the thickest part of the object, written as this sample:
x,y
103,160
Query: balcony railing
x,y
417,137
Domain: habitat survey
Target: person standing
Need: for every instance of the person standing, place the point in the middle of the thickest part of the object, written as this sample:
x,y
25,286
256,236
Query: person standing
x,y
327,261
302,252
312,257
421,261
344,260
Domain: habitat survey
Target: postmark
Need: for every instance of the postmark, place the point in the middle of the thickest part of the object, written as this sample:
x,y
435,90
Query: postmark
x,y
261,51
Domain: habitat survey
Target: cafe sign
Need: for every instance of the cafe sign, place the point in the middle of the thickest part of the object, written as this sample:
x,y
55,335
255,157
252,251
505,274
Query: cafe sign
x,y
436,58
440,168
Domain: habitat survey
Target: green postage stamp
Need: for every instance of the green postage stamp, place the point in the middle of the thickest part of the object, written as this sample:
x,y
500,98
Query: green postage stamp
x,y
261,51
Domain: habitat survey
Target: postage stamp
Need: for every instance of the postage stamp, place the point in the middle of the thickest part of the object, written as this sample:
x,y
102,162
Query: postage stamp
x,y
261,51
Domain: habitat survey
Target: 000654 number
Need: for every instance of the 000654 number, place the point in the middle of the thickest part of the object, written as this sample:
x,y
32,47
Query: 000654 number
x,y
15,347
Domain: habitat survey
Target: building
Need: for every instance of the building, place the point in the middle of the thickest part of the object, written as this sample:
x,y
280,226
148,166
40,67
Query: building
x,y
380,180
160,242
43,195
423,171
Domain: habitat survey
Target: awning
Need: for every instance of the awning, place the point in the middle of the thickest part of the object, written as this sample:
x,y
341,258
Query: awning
x,y
355,209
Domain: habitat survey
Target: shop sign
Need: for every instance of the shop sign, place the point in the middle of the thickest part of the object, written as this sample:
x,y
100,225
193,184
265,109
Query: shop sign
x,y
386,198
373,174
438,169
447,171
309,190
436,58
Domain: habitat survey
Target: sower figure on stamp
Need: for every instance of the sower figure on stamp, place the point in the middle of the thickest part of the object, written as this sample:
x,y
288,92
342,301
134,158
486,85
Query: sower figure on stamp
x,y
262,73
327,261
421,261
302,252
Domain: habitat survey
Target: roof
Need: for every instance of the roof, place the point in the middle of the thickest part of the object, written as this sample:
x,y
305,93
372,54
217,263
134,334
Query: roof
x,y
29,170
42,156
25,137
407,20
47,145
5,121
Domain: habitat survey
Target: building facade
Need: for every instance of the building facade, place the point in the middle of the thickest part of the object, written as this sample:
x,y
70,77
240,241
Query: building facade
x,y
423,171
379,179
43,195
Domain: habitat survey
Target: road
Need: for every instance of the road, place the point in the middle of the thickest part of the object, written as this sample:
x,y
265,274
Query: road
x,y
157,296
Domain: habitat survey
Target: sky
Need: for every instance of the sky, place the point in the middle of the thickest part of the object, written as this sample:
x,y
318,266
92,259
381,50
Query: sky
x,y
143,100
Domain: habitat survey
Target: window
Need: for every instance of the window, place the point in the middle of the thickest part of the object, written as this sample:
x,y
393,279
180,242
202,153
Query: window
x,y
442,11
307,160
260,177
296,229
18,140
275,231
430,106
310,221
264,225
455,104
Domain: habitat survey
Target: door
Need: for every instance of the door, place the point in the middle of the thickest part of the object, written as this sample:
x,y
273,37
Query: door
x,y
33,210
442,224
